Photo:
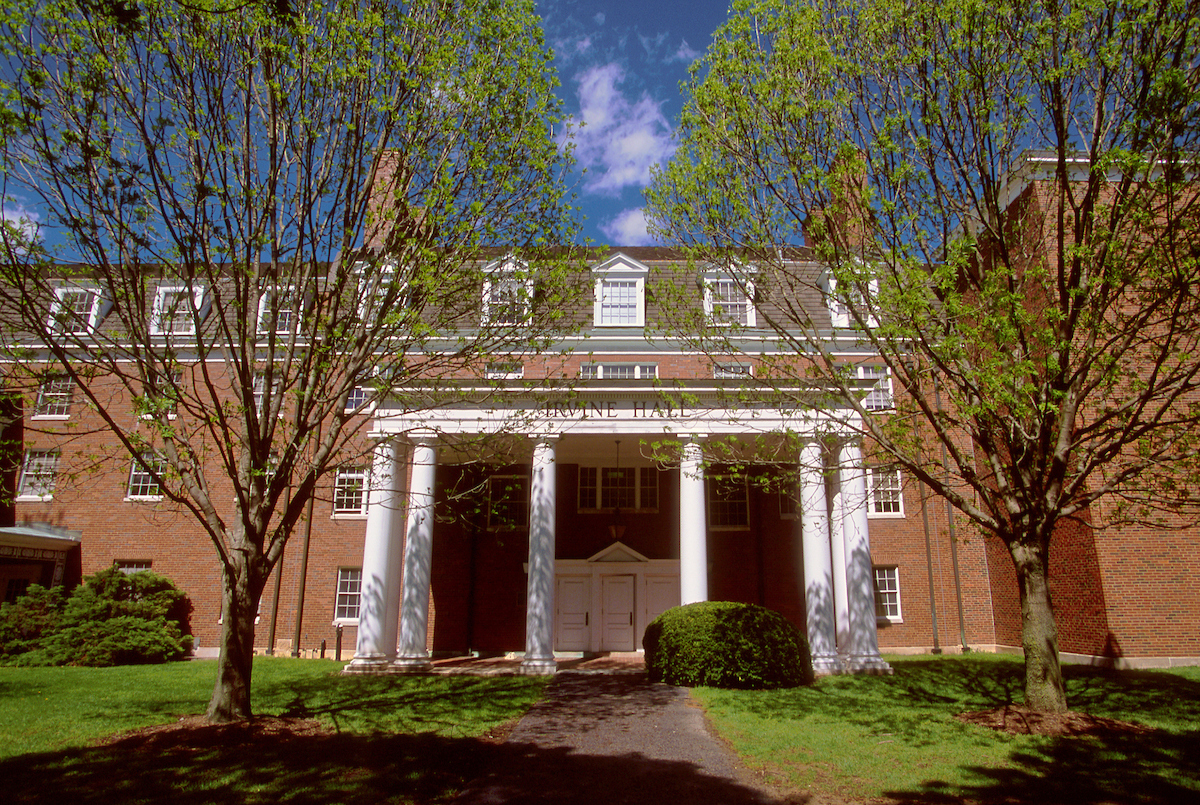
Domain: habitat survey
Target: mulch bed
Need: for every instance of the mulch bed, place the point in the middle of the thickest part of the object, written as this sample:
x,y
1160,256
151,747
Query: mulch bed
x,y
1022,721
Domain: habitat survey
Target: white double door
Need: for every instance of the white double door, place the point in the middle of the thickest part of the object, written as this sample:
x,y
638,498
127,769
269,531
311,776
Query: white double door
x,y
609,611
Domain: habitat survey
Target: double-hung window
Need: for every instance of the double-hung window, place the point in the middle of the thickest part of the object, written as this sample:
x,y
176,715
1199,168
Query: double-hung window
x,y
350,491
729,302
38,474
508,502
879,398
54,397
507,295
610,488
887,593
886,492
620,293
349,593
279,310
76,310
618,371
177,308
728,502
144,475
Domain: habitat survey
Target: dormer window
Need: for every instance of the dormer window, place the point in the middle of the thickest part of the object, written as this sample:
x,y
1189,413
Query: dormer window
x,y
177,309
76,310
507,295
620,293
841,300
729,302
279,310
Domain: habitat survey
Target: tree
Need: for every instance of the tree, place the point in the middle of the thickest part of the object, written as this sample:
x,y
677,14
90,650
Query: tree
x,y
248,217
1001,202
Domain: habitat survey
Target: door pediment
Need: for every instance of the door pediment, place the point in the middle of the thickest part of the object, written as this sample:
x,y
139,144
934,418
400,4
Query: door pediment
x,y
617,552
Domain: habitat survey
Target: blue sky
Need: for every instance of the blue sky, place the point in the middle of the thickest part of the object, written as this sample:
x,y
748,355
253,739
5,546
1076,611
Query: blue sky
x,y
620,63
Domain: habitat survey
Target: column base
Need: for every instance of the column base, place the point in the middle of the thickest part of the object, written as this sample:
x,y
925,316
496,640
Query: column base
x,y
536,667
824,665
374,664
865,664
412,665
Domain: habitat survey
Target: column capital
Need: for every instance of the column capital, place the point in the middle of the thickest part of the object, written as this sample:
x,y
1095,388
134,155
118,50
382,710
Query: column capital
x,y
426,437
544,438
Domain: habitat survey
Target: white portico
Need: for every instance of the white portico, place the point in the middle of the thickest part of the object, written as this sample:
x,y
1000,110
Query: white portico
x,y
603,601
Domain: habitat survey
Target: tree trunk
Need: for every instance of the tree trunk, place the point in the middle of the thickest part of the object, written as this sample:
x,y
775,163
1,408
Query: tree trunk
x,y
1044,690
231,693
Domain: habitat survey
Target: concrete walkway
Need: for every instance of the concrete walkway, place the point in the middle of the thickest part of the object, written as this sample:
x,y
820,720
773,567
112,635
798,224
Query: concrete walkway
x,y
614,738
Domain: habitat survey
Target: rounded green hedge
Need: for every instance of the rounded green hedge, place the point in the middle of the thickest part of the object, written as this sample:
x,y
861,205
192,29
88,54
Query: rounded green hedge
x,y
724,644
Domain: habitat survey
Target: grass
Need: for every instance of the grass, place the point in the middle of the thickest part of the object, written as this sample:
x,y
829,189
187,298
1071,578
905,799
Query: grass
x,y
858,737
396,739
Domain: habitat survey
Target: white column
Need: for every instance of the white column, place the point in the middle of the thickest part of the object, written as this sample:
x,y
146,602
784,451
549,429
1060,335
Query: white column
x,y
418,557
862,649
841,604
818,581
539,611
376,646
693,535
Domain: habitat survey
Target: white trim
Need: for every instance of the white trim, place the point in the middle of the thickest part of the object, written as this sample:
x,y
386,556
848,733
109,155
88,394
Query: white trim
x,y
621,269
873,501
506,274
741,287
96,309
162,319
267,307
893,571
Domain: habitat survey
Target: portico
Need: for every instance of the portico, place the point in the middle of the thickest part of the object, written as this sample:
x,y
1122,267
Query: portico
x,y
603,599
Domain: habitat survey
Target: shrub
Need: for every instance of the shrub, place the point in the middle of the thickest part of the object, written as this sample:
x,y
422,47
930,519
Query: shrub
x,y
25,624
113,618
726,645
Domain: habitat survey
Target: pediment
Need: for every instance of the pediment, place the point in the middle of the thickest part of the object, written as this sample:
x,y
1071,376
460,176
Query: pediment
x,y
618,552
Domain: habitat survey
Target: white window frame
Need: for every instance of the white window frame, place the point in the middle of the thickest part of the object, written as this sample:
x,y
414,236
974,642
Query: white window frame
x,y
347,481
590,496
68,320
359,398
504,370
268,310
131,566
141,476
619,268
55,396
885,580
499,277
839,310
163,318
348,596
714,308
885,489
732,371
879,397
604,371
39,472
714,481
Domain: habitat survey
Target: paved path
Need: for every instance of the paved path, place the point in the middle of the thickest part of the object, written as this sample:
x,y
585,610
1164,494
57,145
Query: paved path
x,y
613,739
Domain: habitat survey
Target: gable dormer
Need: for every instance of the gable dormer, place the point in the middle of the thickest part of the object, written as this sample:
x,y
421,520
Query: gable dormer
x,y
620,292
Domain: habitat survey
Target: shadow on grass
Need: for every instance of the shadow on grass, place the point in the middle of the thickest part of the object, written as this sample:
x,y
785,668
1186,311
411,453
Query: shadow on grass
x,y
1161,767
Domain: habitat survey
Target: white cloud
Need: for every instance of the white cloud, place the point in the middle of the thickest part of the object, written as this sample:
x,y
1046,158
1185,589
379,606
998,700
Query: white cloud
x,y
628,228
615,139
599,18
684,54
23,222
651,44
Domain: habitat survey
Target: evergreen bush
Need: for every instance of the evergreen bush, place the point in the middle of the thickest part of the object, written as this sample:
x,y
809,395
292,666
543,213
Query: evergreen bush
x,y
113,618
726,645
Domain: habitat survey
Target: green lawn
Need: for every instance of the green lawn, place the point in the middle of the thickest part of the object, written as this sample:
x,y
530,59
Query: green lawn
x,y
397,739
858,737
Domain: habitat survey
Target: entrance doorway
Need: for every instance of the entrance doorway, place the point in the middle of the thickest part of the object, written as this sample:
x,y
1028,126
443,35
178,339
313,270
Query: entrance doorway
x,y
617,613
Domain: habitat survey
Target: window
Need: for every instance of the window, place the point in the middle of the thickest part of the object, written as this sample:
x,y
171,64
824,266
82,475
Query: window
x,y
618,371
131,566
619,303
143,475
177,308
728,502
349,592
54,396
887,593
279,310
357,398
505,370
789,502
75,310
260,389
885,489
161,400
732,371
38,473
840,303
350,491
508,502
879,398
609,488
726,302
507,297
